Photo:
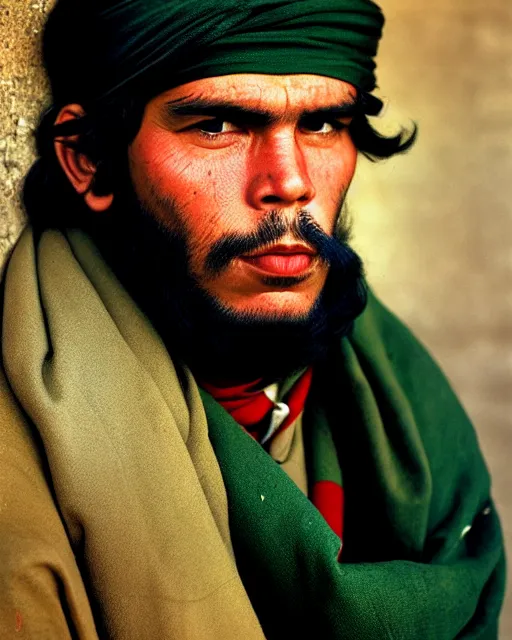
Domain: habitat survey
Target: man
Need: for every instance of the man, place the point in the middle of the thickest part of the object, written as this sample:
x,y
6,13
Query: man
x,y
210,428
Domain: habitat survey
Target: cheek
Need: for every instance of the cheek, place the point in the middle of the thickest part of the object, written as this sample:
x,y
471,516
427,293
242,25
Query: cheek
x,y
331,174
336,169
209,204
160,168
159,163
207,195
187,188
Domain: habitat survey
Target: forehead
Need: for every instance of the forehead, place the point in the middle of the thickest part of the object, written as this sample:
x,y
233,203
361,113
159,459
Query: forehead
x,y
277,93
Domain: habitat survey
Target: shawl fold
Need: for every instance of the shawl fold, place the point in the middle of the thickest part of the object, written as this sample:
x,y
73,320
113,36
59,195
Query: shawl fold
x,y
423,553
133,485
131,503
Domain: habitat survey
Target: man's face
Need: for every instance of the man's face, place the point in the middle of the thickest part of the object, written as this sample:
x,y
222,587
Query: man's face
x,y
218,160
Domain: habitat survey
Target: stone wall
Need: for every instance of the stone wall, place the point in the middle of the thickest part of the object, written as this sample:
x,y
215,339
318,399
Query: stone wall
x,y
23,92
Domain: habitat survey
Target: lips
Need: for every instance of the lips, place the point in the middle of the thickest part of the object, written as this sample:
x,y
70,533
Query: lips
x,y
282,260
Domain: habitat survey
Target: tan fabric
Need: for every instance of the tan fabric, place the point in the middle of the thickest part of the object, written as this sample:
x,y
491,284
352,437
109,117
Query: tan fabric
x,y
287,448
135,491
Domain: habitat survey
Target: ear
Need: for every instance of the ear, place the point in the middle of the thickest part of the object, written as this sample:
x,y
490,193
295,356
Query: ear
x,y
77,166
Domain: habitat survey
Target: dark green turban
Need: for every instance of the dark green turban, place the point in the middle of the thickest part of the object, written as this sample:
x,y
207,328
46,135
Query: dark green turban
x,y
94,49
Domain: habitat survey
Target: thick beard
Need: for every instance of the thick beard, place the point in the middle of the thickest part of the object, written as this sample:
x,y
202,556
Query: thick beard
x,y
217,343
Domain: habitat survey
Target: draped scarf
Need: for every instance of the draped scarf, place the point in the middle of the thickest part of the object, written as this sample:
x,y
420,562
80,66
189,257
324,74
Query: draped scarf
x,y
133,505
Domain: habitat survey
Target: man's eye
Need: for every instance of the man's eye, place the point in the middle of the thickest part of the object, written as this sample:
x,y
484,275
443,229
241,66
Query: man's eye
x,y
215,126
321,125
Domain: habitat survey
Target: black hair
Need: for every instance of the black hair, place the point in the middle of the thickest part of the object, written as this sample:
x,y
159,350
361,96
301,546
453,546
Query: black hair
x,y
103,135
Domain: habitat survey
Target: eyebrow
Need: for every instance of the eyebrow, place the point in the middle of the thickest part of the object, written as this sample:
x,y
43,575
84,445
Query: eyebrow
x,y
257,117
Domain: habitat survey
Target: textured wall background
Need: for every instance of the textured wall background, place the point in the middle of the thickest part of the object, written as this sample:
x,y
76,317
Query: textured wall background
x,y
434,227
22,94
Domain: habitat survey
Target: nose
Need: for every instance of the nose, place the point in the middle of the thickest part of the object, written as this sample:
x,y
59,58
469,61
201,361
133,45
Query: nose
x,y
278,174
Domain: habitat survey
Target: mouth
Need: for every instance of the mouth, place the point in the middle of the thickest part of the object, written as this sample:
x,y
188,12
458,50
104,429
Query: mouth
x,y
282,260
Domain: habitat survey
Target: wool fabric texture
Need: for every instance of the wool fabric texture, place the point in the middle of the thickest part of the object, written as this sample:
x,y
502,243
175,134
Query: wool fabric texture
x,y
142,508
134,506
252,409
94,49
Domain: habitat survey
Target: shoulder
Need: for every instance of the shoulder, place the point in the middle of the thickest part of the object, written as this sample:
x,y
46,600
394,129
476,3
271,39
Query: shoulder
x,y
395,361
388,347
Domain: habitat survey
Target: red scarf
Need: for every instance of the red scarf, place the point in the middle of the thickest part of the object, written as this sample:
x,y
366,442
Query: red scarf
x,y
253,409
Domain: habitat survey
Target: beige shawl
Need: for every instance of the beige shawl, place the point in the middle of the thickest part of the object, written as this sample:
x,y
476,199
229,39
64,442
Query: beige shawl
x,y
113,512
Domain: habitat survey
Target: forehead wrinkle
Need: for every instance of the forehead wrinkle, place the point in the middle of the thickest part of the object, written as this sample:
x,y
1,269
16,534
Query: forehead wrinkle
x,y
283,102
258,94
179,100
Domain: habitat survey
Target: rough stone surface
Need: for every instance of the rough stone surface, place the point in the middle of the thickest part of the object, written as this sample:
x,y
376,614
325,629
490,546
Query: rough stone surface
x,y
434,227
23,92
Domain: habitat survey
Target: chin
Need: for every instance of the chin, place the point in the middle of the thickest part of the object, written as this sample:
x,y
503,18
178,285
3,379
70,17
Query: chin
x,y
275,305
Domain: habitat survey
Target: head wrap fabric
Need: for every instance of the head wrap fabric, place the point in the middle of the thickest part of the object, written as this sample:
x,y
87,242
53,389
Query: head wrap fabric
x,y
94,49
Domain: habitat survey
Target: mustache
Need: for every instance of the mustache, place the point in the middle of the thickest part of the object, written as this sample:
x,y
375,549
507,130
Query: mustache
x,y
271,228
